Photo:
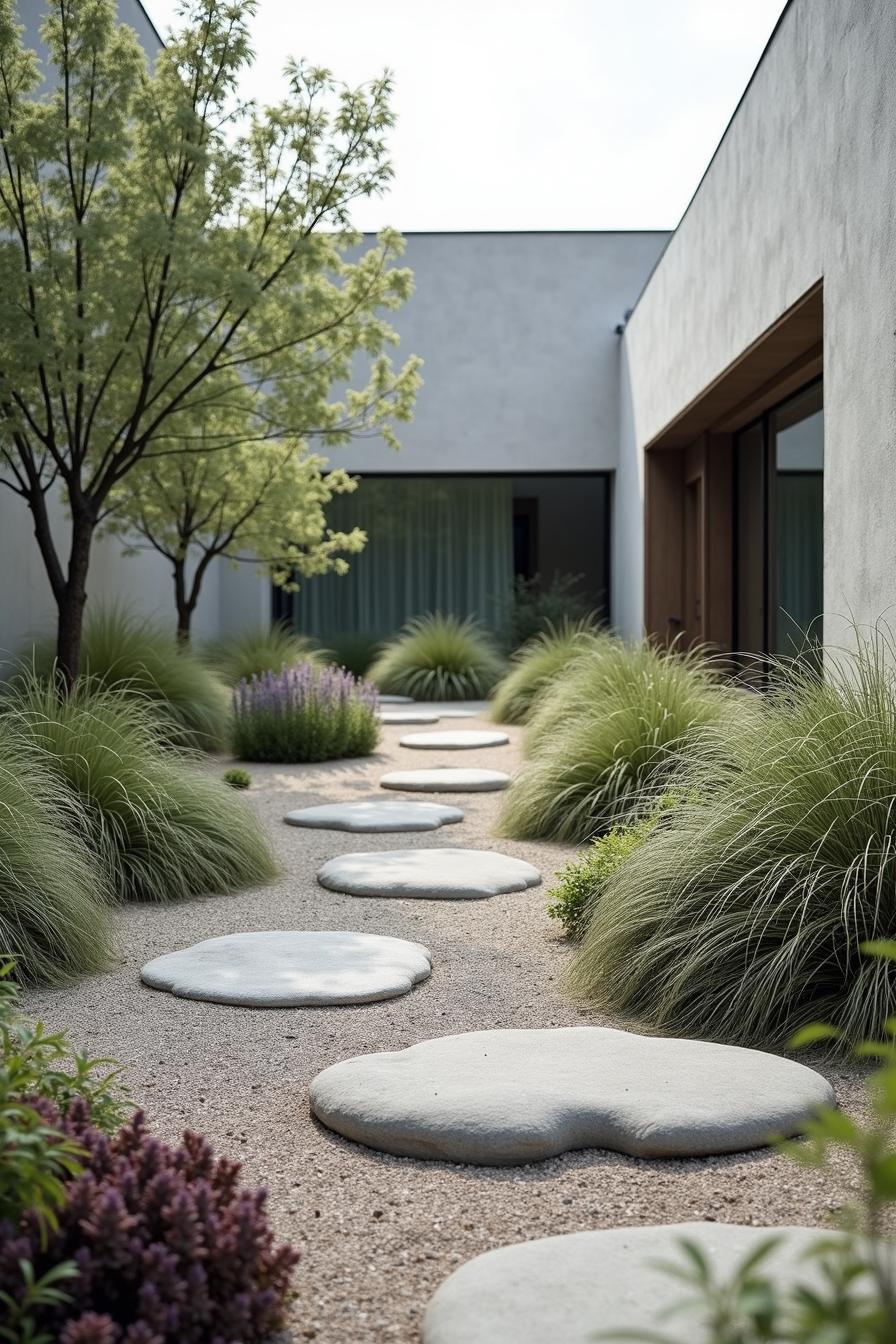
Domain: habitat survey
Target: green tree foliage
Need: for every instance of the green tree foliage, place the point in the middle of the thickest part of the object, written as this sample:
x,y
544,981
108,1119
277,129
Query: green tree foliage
x,y
174,267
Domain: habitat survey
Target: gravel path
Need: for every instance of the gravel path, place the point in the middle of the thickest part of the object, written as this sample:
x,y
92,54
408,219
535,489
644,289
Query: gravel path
x,y
378,1234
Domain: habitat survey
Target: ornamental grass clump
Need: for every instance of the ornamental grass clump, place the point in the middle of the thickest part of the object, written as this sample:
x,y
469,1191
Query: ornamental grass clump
x,y
159,827
439,658
255,652
166,1246
534,667
608,738
54,921
743,918
304,713
127,653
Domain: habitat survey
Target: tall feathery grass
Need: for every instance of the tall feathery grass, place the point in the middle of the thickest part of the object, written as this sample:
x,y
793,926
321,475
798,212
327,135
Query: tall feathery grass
x,y
54,920
534,667
608,737
161,828
438,657
251,654
126,652
743,916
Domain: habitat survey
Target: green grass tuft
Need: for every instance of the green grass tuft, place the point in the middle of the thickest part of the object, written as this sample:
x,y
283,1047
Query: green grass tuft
x,y
162,828
237,778
744,918
127,653
54,921
534,667
438,658
258,651
607,738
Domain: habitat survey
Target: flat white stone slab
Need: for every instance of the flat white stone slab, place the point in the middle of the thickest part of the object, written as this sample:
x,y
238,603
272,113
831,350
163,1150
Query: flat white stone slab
x,y
379,815
446,779
396,699
455,739
428,874
290,969
407,716
589,1285
503,1098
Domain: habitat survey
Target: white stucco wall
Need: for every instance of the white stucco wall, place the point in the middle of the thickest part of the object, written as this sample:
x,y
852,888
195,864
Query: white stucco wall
x,y
801,188
517,335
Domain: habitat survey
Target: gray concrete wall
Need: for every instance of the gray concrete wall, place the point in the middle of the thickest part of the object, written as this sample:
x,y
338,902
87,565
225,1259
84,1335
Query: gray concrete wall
x,y
516,331
801,188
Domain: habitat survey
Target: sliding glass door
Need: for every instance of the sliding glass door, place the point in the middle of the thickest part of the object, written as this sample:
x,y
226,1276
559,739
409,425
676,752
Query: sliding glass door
x,y
778,529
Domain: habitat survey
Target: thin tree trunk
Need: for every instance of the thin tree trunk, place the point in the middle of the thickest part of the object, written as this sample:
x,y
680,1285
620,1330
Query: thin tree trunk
x,y
185,605
71,601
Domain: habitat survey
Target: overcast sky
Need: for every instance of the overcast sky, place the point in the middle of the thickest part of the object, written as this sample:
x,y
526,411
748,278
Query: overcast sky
x,y
530,114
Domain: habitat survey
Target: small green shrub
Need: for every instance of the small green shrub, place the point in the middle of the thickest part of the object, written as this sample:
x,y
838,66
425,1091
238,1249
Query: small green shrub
x,y
438,658
608,737
237,778
53,917
127,653
580,883
304,713
851,1296
352,650
35,1158
535,665
743,918
258,651
536,607
161,828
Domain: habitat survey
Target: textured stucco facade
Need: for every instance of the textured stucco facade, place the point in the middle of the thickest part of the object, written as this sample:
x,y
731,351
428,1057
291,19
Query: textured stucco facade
x,y
800,190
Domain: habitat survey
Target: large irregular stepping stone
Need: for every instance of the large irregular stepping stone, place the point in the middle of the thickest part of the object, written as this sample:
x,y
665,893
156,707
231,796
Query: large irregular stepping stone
x,y
455,739
587,1286
291,970
428,874
384,815
503,1098
407,716
446,779
395,699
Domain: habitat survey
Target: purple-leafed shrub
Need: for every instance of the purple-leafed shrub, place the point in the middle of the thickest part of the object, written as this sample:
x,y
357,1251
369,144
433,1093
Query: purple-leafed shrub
x,y
168,1247
304,713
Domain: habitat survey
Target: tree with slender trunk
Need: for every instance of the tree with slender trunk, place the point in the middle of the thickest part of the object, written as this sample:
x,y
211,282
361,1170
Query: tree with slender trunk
x,y
170,257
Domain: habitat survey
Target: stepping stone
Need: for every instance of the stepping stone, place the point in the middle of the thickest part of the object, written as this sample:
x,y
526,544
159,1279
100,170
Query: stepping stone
x,y
407,716
291,970
507,1097
383,815
457,739
428,874
446,779
395,699
591,1285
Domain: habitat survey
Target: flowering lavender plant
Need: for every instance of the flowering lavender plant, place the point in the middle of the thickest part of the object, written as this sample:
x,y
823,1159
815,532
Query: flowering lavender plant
x,y
153,1245
304,713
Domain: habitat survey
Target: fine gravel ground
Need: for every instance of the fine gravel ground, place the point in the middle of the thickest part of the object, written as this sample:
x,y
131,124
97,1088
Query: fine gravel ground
x,y
377,1234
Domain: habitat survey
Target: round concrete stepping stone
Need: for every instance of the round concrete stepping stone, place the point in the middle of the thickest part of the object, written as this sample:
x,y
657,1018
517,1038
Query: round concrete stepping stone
x,y
396,699
291,970
407,716
455,739
384,815
428,874
590,1285
503,1098
446,779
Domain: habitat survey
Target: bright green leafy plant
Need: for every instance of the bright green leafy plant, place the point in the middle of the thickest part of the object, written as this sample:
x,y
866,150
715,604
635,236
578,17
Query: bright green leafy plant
x,y
128,653
438,657
743,918
161,828
535,665
609,736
